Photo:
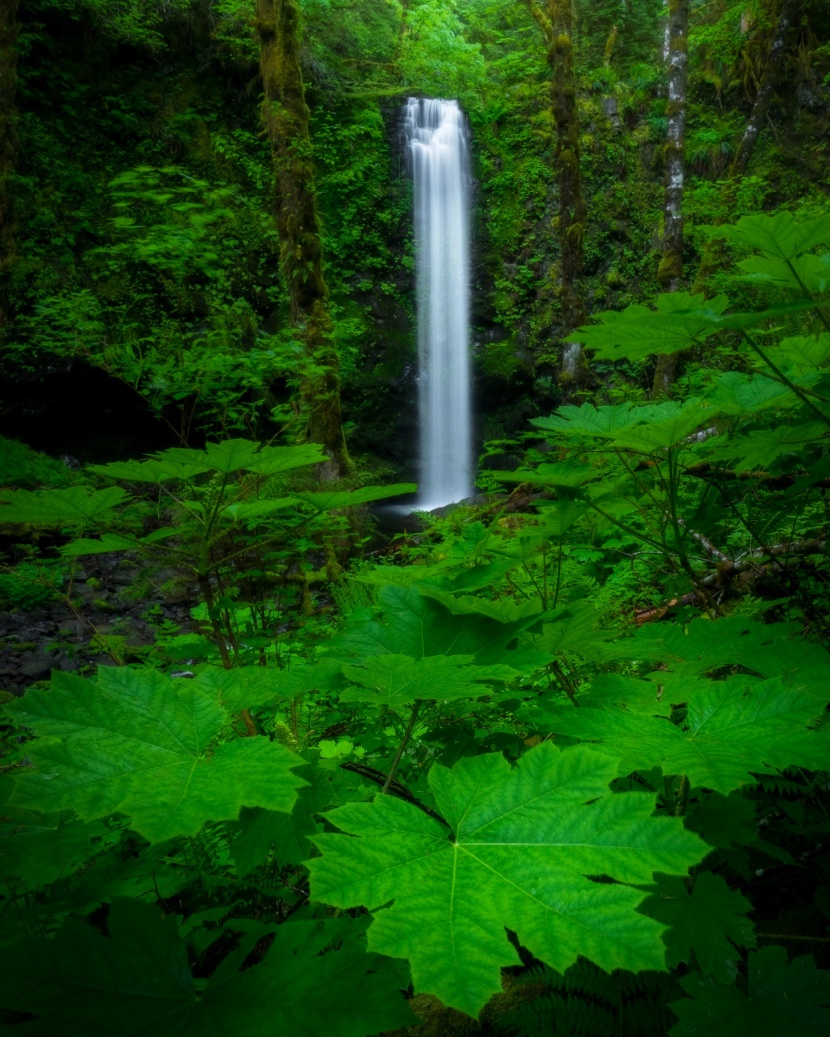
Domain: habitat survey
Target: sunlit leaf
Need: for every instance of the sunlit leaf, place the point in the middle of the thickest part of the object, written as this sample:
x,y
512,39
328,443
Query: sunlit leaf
x,y
140,744
523,841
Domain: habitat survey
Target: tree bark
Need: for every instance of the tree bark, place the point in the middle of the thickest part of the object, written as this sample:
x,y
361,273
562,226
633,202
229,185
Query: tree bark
x,y
286,118
714,253
556,20
778,48
671,265
9,29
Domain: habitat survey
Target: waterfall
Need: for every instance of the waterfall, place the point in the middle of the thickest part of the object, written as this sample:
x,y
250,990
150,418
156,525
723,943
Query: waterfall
x,y
437,142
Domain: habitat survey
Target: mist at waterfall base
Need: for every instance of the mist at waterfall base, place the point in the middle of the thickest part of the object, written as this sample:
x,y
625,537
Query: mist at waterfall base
x,y
438,156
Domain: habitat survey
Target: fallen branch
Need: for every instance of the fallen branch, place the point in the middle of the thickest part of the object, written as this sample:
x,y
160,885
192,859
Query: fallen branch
x,y
743,570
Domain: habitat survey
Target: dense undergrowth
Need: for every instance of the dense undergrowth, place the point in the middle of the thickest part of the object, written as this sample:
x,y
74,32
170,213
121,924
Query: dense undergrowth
x,y
561,756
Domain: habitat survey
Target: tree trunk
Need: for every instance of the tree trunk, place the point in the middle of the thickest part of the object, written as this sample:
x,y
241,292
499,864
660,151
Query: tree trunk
x,y
8,147
286,118
556,21
671,264
714,253
778,48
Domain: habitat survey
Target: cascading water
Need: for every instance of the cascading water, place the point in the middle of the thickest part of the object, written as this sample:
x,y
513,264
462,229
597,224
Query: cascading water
x,y
437,142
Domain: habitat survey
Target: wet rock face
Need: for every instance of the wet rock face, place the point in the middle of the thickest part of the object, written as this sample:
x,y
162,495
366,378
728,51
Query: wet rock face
x,y
55,636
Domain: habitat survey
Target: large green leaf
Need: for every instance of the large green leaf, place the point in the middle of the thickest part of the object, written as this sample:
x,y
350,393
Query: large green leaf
x,y
733,729
523,842
678,322
417,625
396,680
159,469
39,848
260,832
136,982
350,498
660,433
184,463
589,420
781,1000
709,921
575,628
248,686
780,236
111,542
804,352
233,455
737,394
759,450
74,506
137,743
769,649
806,272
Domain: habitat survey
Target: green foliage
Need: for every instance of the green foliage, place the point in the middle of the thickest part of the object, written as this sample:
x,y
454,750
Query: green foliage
x,y
779,998
708,922
24,468
159,832
30,584
522,844
141,745
136,979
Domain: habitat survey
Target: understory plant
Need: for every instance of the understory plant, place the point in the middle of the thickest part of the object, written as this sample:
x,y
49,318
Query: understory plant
x,y
564,768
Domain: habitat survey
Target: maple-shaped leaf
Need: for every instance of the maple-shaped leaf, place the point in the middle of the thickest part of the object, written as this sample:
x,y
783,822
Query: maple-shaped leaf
x,y
140,744
523,842
248,686
73,506
732,730
780,236
111,542
396,680
136,981
350,498
678,322
417,625
806,272
568,474
709,921
574,628
158,469
736,393
780,999
768,649
758,450
589,420
260,832
803,352
671,430
40,848
724,821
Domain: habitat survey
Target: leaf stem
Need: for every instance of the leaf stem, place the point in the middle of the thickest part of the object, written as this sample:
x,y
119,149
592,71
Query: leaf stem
x,y
413,716
753,345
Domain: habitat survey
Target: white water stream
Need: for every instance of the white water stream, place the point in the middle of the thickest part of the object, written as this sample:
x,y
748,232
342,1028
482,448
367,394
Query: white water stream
x,y
437,141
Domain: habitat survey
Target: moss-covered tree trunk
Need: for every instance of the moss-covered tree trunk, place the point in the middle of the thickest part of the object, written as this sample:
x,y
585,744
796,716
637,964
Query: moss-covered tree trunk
x,y
286,119
8,146
714,254
556,20
671,264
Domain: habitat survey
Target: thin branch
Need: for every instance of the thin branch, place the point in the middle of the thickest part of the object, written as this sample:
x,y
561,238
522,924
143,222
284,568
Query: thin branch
x,y
394,789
